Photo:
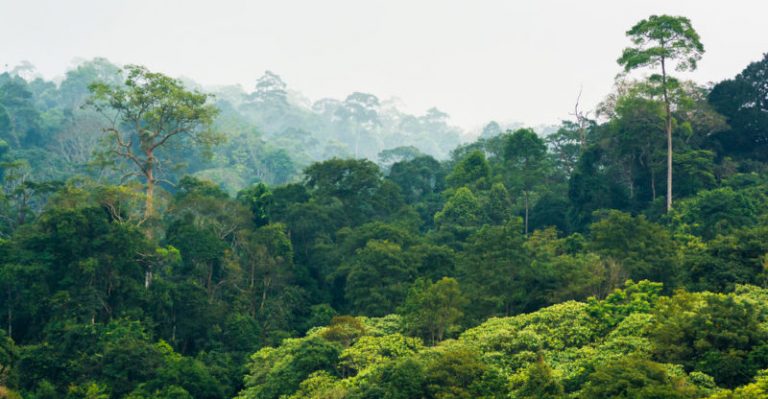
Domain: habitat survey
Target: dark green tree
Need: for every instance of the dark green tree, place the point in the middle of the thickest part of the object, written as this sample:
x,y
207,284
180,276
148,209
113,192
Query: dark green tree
x,y
472,171
743,101
636,378
431,310
378,279
526,166
495,271
644,249
721,337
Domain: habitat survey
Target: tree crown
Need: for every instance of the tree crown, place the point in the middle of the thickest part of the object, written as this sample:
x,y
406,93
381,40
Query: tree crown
x,y
662,37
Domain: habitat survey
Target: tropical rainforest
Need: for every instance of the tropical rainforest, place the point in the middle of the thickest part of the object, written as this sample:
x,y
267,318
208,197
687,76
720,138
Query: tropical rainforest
x,y
163,240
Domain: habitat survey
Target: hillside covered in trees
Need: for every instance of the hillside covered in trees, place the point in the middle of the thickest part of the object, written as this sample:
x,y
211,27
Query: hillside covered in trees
x,y
157,241
271,133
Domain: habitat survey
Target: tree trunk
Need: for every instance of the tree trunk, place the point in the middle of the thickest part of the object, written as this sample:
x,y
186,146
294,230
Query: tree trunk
x,y
266,283
209,283
253,275
22,214
525,196
669,133
148,276
149,205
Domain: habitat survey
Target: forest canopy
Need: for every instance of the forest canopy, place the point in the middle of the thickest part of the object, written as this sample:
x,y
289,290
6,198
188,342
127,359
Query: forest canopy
x,y
161,240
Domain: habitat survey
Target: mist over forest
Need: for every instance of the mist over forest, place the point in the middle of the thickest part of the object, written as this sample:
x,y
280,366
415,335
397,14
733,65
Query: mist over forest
x,y
271,132
162,239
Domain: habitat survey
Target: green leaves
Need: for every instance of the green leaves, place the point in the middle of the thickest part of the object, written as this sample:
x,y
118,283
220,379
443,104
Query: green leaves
x,y
721,335
645,249
446,244
274,372
612,348
157,105
461,212
431,310
661,38
743,100
150,112
378,278
472,171
637,378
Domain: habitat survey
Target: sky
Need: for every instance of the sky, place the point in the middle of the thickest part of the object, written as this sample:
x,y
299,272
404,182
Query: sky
x,y
481,60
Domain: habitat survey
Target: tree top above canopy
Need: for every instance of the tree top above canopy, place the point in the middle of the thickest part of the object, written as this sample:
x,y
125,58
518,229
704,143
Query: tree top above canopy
x,y
662,37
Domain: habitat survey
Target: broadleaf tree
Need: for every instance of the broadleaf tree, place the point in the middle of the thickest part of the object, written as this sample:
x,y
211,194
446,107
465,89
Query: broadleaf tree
x,y
148,112
659,41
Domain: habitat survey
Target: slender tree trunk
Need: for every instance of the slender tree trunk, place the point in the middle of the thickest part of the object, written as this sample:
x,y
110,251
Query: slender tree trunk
x,y
253,275
669,133
209,283
22,214
525,196
267,282
149,208
581,120
149,205
148,276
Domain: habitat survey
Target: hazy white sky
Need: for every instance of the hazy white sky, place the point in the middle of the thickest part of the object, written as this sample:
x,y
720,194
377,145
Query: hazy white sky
x,y
477,60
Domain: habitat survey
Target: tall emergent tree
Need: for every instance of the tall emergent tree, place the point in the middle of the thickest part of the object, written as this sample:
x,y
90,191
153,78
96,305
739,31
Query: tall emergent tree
x,y
660,40
148,112
525,154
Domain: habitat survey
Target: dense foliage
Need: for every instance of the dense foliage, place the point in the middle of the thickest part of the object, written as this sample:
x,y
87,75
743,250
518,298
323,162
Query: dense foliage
x,y
635,343
517,266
